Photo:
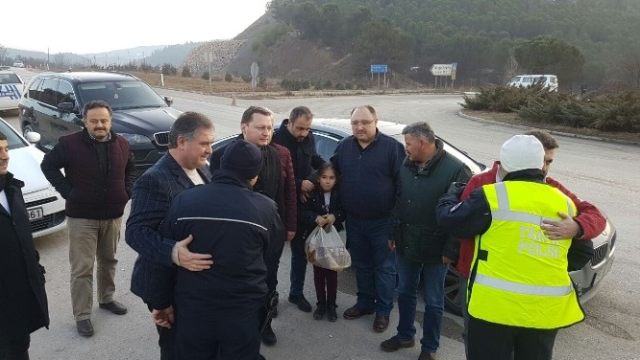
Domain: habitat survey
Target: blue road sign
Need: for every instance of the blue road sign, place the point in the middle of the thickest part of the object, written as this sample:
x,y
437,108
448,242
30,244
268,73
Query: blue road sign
x,y
379,68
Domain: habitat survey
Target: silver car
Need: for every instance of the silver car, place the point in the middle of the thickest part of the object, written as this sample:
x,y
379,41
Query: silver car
x,y
327,134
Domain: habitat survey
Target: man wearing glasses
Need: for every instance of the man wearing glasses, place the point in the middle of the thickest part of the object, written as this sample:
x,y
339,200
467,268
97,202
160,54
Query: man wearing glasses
x,y
369,162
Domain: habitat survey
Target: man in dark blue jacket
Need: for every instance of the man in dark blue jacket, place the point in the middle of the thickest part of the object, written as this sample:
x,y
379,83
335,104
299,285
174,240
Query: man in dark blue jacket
x,y
369,162
295,134
182,167
23,300
218,308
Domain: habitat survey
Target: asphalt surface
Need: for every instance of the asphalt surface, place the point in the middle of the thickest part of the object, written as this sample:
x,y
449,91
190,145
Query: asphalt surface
x,y
604,173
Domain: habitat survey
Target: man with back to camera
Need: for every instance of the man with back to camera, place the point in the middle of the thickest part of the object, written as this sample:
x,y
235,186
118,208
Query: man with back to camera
x,y
276,180
97,181
368,163
519,291
295,134
182,167
587,224
219,307
23,300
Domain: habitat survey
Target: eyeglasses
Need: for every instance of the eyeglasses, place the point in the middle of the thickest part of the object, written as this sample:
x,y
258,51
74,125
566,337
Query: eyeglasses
x,y
356,123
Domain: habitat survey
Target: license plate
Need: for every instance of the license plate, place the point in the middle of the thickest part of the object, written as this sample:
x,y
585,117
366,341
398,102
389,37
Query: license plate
x,y
35,213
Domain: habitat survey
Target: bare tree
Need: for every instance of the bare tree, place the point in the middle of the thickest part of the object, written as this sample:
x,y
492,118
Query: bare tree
x,y
630,68
3,52
60,60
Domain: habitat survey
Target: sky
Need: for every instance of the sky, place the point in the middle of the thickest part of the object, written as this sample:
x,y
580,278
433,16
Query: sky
x,y
89,26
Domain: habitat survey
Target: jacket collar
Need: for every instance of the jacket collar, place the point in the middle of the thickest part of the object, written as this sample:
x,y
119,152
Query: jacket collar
x,y
87,138
432,163
223,176
287,134
534,175
181,177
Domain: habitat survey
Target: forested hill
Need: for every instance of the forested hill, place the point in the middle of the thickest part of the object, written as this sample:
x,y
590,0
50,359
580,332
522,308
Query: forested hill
x,y
597,38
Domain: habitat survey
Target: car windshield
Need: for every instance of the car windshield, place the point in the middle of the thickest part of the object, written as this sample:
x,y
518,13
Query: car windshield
x,y
121,95
9,78
15,142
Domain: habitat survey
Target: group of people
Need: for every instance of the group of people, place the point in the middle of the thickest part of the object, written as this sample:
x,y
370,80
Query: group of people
x,y
205,269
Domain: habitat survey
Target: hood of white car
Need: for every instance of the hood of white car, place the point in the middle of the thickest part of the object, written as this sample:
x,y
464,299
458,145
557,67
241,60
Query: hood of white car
x,y
24,164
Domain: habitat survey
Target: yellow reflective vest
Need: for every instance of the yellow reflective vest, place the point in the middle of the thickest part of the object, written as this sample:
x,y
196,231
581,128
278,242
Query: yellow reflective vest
x,y
519,276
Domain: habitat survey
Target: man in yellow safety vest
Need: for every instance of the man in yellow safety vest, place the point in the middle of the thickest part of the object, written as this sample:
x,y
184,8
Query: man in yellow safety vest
x,y
519,291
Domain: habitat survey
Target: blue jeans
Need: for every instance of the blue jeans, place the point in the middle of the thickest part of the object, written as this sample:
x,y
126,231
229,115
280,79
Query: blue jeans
x,y
409,278
374,263
298,264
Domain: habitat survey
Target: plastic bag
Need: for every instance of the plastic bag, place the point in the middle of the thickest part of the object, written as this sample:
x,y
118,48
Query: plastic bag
x,y
325,249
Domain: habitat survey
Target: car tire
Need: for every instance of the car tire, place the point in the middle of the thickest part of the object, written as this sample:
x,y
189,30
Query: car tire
x,y
452,296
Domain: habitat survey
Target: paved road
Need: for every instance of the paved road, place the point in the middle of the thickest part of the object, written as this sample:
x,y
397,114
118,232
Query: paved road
x,y
606,174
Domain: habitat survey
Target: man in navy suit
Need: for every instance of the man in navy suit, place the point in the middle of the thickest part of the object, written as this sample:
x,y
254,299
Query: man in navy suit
x,y
183,167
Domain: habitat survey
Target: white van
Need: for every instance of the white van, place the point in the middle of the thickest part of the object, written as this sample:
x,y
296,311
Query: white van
x,y
11,89
549,81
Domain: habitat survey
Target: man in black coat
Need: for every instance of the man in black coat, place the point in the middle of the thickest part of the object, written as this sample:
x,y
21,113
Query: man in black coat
x,y
23,301
218,308
295,134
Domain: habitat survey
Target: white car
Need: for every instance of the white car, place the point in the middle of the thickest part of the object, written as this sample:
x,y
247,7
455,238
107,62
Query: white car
x,y
44,204
549,82
11,89
18,64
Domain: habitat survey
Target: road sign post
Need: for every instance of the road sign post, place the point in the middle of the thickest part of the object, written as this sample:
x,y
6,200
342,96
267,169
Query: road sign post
x,y
444,70
379,69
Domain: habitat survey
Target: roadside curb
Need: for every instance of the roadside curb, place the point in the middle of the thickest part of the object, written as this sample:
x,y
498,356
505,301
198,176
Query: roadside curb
x,y
554,132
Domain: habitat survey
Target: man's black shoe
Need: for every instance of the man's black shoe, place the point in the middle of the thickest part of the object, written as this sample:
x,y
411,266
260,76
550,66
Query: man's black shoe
x,y
268,336
301,302
84,327
355,312
394,344
115,307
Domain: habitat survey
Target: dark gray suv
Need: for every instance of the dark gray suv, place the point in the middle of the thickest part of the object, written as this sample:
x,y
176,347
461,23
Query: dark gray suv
x,y
52,106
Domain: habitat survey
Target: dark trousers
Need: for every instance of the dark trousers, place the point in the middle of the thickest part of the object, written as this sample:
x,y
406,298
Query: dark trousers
x,y
166,340
489,341
15,349
273,263
298,264
235,338
325,278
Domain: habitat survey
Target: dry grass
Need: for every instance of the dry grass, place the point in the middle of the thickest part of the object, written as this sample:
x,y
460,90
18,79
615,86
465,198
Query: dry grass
x,y
512,118
199,85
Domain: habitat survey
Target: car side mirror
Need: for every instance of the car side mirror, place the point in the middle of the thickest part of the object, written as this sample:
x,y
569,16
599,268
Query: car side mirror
x,y
33,137
168,100
65,107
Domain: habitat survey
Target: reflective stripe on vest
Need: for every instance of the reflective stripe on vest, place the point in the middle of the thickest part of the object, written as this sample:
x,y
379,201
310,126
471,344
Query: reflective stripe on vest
x,y
523,288
521,277
504,212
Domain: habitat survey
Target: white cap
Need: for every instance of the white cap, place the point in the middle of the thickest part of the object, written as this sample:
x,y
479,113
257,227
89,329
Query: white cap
x,y
522,152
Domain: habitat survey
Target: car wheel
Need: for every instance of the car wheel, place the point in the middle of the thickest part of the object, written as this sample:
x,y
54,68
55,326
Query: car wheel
x,y
452,296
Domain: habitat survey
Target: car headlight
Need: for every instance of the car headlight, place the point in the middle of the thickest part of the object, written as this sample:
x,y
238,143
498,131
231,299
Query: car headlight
x,y
136,139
